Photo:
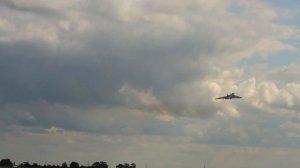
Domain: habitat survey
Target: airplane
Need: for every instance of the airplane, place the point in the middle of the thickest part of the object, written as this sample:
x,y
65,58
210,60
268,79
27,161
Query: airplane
x,y
230,96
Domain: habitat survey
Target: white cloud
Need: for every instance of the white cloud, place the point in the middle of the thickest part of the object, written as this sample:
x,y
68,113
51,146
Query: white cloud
x,y
139,99
122,72
181,50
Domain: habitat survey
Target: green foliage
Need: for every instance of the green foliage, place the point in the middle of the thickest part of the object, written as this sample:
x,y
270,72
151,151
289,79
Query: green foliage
x,y
126,165
64,165
74,165
100,165
6,163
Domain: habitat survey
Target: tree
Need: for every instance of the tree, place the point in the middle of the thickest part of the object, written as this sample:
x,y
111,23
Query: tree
x,y
100,165
126,165
133,165
35,165
64,165
6,163
74,165
103,165
96,165
119,166
25,164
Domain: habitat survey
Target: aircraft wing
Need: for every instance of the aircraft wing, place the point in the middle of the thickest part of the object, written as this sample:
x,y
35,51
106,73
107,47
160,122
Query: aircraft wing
x,y
237,97
224,97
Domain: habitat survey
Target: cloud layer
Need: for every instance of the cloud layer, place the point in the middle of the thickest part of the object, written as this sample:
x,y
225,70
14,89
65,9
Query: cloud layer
x,y
145,71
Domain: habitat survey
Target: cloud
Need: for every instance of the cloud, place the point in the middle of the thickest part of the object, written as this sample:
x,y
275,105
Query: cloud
x,y
138,99
111,74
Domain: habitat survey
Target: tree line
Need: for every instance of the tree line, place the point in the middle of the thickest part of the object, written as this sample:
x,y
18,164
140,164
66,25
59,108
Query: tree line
x,y
101,164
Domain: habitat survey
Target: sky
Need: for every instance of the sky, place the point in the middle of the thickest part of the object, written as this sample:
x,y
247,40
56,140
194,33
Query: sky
x,y
135,81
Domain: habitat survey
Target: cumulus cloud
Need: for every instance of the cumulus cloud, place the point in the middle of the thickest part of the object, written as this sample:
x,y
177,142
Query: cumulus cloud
x,y
115,68
138,99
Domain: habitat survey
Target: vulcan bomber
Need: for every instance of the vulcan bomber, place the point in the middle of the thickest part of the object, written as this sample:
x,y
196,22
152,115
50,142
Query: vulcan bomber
x,y
230,96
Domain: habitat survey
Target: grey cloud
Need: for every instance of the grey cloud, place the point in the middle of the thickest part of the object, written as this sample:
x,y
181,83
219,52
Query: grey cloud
x,y
258,130
38,117
97,51
29,7
129,79
281,75
30,74
83,78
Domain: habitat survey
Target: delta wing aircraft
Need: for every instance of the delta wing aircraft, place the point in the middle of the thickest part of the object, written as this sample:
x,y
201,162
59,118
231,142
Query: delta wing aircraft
x,y
230,96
